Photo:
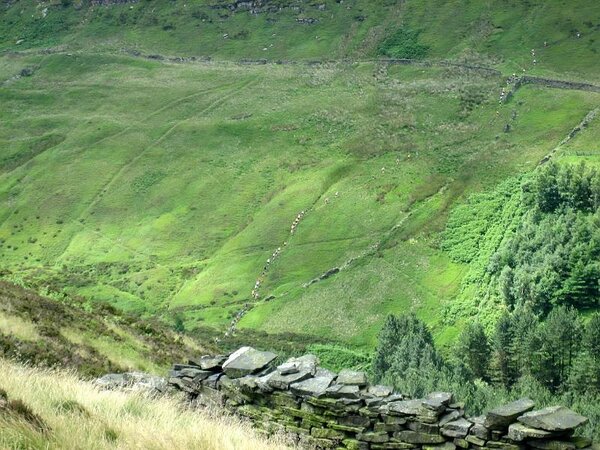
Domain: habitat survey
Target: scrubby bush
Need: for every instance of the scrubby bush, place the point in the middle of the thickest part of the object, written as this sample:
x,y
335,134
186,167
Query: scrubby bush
x,y
404,43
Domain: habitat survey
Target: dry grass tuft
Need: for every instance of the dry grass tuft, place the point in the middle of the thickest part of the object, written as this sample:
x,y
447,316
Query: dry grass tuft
x,y
77,415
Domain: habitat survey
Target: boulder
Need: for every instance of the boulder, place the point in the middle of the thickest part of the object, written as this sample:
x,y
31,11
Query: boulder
x,y
313,387
457,428
352,377
246,361
518,432
553,418
500,418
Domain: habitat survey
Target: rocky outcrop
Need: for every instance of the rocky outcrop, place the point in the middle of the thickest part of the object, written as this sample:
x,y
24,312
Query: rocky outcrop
x,y
324,410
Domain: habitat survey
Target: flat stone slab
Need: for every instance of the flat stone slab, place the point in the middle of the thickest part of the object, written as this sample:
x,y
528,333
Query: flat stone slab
x,y
405,407
306,363
343,391
288,368
500,418
313,387
574,443
247,361
197,374
553,418
519,432
321,372
352,377
374,437
133,381
475,440
380,391
449,417
437,401
444,446
178,367
414,437
457,429
280,381
206,362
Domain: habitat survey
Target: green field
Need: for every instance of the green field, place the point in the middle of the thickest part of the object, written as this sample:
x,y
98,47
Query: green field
x,y
163,187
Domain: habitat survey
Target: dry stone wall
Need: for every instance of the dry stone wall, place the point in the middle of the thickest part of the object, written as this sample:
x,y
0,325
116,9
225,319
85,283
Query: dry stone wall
x,y
325,410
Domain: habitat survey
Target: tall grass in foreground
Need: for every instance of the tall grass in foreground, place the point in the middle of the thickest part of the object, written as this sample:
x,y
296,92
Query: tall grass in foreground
x,y
80,416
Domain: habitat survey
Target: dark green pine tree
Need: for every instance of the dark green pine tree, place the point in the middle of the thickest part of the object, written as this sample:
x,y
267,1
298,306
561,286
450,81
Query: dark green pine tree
x,y
524,348
405,346
503,368
560,338
473,350
388,337
585,374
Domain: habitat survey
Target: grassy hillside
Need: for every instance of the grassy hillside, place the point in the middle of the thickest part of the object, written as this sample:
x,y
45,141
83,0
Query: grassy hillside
x,y
92,338
55,410
163,187
499,32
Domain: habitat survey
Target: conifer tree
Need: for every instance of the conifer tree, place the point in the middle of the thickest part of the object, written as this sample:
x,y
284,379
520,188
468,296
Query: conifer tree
x,y
473,349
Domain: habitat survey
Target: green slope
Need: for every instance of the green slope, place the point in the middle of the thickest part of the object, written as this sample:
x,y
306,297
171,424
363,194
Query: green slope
x,y
68,332
164,187
497,31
